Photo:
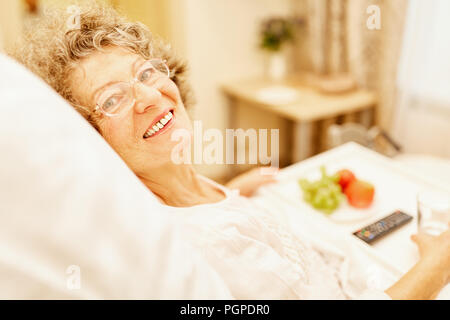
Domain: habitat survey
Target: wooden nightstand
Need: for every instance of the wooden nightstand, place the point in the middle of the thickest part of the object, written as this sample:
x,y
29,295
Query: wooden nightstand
x,y
298,103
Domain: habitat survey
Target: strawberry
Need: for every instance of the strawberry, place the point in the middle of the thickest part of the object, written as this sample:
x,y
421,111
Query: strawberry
x,y
360,193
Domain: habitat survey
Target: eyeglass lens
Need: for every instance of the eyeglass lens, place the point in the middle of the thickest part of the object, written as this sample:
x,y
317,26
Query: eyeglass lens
x,y
119,96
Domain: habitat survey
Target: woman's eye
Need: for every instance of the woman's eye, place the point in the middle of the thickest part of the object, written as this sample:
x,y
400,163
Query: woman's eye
x,y
146,75
110,103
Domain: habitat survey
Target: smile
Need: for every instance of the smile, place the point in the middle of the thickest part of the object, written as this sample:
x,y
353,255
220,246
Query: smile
x,y
160,125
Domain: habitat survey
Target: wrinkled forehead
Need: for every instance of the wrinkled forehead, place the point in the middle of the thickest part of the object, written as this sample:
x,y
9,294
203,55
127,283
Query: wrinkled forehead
x,y
102,67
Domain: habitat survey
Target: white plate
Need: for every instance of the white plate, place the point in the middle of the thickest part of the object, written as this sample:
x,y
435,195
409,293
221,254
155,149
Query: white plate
x,y
345,213
278,94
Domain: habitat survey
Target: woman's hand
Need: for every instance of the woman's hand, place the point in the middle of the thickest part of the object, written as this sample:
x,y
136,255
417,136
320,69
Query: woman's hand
x,y
250,181
435,248
430,274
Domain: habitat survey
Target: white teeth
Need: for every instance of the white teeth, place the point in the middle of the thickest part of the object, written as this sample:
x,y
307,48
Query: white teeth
x,y
159,125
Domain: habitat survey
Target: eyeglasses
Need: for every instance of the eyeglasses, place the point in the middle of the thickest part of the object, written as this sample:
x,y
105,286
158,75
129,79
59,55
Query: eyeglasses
x,y
117,98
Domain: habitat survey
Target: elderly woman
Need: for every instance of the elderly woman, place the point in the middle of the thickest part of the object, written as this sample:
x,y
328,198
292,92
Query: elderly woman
x,y
133,90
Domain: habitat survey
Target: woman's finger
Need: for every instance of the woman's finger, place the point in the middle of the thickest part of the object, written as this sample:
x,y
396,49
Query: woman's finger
x,y
266,180
269,180
425,238
268,171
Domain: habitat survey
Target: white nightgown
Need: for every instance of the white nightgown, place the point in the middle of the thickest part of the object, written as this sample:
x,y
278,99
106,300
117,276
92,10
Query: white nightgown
x,y
258,257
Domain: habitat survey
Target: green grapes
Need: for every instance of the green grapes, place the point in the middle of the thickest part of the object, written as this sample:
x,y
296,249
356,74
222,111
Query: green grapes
x,y
324,194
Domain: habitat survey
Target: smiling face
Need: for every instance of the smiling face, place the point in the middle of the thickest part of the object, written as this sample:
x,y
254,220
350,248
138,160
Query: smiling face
x,y
141,134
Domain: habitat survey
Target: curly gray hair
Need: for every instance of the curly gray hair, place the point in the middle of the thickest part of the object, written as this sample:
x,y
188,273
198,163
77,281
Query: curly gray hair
x,y
51,50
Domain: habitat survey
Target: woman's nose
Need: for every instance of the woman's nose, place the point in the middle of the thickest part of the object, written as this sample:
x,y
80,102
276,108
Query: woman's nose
x,y
146,97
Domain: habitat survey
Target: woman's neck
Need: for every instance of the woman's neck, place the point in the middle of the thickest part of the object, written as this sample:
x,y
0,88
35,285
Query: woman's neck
x,y
180,186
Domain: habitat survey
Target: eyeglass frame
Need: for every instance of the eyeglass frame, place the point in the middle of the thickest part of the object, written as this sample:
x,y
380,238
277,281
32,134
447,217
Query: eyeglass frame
x,y
132,82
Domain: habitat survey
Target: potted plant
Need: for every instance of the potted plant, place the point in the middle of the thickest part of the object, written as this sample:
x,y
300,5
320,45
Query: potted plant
x,y
275,33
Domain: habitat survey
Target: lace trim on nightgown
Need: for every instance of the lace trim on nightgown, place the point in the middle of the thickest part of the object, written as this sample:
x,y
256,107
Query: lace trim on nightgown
x,y
313,267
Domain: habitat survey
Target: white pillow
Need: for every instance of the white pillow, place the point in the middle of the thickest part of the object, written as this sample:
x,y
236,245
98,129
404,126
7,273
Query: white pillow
x,y
68,203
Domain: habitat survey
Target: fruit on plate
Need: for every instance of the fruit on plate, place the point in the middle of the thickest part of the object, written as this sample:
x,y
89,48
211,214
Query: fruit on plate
x,y
327,193
345,177
324,194
360,193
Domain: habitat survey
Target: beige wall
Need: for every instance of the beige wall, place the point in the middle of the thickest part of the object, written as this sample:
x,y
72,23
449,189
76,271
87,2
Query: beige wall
x,y
219,39
10,22
153,13
150,12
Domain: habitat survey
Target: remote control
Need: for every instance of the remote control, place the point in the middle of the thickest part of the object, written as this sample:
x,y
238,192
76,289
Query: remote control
x,y
382,227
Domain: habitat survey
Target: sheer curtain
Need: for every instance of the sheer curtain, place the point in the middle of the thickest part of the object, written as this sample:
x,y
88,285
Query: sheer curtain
x,y
423,119
337,40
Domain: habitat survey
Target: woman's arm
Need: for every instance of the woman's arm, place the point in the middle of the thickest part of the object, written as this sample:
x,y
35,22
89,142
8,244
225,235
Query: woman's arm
x,y
430,274
250,181
422,282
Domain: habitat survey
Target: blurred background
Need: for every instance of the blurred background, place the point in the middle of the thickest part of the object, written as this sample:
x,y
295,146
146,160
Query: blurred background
x,y
323,72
